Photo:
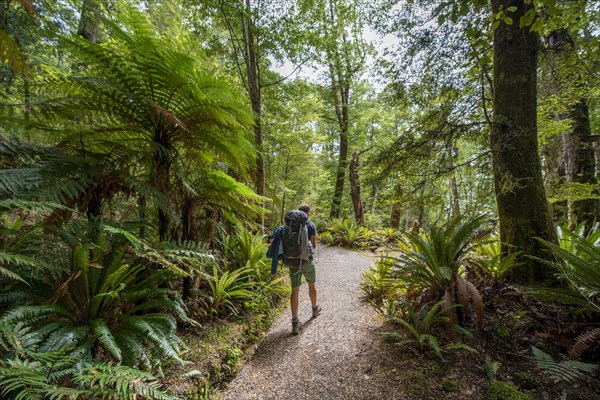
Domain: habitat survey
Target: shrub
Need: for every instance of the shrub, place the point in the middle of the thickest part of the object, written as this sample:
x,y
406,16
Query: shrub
x,y
493,262
504,391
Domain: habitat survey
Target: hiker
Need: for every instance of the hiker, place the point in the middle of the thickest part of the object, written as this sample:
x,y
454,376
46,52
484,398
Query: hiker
x,y
298,239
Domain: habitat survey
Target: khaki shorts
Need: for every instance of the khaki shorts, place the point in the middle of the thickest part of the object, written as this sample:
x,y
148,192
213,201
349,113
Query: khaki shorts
x,y
309,272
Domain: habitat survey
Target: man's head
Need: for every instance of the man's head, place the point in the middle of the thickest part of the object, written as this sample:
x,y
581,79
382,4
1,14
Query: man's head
x,y
304,207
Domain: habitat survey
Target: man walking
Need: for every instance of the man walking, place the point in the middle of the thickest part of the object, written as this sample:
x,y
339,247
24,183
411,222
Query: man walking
x,y
298,252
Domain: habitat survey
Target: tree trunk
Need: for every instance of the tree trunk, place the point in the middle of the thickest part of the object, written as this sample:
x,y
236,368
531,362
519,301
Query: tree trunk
x,y
336,204
395,212
455,202
89,28
94,211
455,197
253,74
554,174
285,177
142,213
520,195
189,232
580,165
162,182
359,212
340,74
579,160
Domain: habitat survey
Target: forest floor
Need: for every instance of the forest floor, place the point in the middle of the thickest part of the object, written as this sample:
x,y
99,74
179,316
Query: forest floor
x,y
339,355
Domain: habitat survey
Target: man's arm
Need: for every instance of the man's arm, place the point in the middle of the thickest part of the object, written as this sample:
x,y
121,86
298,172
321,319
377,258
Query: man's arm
x,y
312,234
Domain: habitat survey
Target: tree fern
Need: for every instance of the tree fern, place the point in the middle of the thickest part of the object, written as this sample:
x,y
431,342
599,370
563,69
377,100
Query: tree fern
x,y
162,107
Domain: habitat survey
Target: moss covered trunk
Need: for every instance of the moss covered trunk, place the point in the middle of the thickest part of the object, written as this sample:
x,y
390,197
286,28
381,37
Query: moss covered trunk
x,y
520,195
580,164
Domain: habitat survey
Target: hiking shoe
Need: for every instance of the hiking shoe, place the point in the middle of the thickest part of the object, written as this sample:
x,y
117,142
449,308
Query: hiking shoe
x,y
316,311
296,326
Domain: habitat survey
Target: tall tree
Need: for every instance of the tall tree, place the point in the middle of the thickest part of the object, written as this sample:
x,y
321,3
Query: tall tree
x,y
520,195
567,84
251,60
344,52
242,22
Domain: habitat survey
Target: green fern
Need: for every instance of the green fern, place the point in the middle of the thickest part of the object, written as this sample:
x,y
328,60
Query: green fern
x,y
419,326
23,379
438,260
108,296
377,282
39,377
578,266
568,370
228,289
493,262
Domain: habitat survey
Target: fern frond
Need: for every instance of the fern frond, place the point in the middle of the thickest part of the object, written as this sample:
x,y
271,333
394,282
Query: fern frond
x,y
568,371
23,379
583,342
105,337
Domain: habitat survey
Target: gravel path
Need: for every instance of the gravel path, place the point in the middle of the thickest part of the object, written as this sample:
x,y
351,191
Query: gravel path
x,y
336,356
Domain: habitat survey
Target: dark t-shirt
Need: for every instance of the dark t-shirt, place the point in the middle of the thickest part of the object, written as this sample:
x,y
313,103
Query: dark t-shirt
x,y
311,228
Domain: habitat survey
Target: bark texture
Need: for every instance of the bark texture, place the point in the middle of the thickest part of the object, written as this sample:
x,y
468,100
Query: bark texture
x,y
520,195
359,211
578,152
254,90
396,209
580,164
340,73
89,27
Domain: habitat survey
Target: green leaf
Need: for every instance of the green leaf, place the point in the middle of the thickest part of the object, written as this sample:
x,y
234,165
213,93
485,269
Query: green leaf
x,y
441,19
512,8
537,25
508,20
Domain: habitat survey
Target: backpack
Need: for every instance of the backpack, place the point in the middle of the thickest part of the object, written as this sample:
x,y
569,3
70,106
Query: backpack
x,y
295,239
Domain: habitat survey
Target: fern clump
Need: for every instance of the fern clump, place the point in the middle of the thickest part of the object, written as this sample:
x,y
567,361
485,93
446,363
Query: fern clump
x,y
418,327
110,306
438,262
377,282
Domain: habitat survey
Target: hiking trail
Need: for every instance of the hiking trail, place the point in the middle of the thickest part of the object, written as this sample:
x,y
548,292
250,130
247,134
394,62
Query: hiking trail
x,y
335,356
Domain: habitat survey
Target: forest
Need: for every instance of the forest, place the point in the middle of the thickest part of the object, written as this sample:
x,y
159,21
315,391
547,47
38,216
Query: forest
x,y
148,149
